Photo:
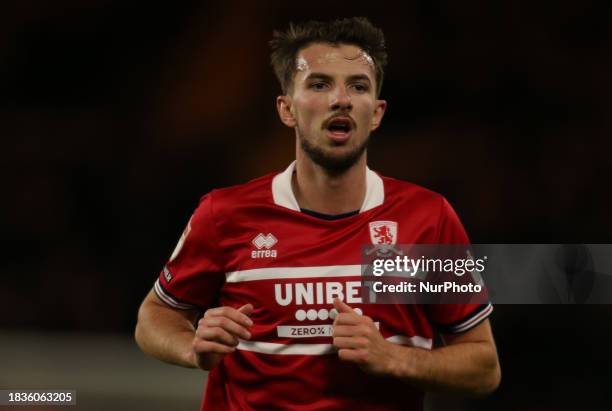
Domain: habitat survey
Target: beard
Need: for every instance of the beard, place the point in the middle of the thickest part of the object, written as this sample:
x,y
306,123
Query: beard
x,y
333,164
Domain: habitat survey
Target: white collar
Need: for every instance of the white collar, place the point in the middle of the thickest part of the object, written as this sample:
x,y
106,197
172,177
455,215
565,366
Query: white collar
x,y
282,193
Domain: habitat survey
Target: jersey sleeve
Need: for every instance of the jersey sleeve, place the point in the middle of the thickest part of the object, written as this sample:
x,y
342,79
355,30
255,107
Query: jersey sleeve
x,y
193,276
455,318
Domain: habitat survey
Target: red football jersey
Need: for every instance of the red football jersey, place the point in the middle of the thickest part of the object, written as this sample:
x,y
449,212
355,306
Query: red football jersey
x,y
251,244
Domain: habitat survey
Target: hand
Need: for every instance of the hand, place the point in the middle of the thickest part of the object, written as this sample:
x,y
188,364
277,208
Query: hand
x,y
218,332
359,341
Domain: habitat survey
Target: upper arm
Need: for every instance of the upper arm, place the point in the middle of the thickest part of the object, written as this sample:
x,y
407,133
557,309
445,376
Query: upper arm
x,y
153,306
165,332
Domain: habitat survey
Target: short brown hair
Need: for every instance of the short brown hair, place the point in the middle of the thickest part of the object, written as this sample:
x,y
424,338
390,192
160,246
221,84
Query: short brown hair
x,y
356,31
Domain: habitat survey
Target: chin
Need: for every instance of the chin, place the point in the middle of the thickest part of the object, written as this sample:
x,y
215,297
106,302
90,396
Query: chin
x,y
336,161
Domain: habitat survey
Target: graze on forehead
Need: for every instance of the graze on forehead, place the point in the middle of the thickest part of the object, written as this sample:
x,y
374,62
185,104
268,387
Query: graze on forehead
x,y
362,55
302,65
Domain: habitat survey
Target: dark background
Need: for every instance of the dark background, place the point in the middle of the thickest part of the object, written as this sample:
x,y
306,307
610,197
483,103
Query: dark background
x,y
115,117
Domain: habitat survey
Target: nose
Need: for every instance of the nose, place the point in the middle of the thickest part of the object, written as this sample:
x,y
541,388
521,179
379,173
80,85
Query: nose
x,y
341,99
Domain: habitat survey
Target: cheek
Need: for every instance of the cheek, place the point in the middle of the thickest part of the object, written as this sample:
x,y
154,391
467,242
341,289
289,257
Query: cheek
x,y
306,111
366,115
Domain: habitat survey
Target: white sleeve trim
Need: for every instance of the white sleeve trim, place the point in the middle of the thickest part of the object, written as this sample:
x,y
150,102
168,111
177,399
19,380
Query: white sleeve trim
x,y
169,299
473,320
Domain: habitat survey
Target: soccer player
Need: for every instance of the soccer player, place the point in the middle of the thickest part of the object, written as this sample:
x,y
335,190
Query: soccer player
x,y
274,264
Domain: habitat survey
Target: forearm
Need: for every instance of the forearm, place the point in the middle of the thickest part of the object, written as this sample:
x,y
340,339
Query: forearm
x,y
166,334
470,368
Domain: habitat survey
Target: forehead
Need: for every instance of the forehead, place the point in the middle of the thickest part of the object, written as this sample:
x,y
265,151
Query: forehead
x,y
333,59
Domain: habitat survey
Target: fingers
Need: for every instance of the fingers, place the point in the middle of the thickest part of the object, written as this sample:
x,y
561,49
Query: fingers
x,y
246,309
220,329
352,336
346,315
218,333
223,324
239,316
351,342
352,330
342,307
353,319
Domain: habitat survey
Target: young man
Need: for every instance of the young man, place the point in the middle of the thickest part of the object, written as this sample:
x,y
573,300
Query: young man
x,y
274,263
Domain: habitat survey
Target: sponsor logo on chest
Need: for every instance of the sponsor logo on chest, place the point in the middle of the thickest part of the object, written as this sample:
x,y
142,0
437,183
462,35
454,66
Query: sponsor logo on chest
x,y
304,296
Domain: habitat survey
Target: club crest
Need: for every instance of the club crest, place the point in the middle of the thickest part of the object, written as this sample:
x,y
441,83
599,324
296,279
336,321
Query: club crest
x,y
383,232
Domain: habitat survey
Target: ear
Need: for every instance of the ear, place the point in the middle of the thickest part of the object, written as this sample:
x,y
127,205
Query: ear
x,y
379,112
283,106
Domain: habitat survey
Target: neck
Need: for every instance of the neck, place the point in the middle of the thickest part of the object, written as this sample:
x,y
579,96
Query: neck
x,y
317,190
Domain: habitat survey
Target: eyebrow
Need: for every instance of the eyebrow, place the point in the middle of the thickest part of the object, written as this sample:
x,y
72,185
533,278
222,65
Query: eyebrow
x,y
323,76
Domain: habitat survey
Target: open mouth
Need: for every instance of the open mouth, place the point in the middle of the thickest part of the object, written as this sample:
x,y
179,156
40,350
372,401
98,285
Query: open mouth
x,y
339,128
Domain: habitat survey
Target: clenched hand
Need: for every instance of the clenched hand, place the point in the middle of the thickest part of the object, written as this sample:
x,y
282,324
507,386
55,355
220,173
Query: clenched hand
x,y
359,341
218,332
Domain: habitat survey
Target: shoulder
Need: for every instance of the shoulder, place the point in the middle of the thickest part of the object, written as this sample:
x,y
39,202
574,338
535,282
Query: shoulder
x,y
254,190
410,196
404,191
222,201
424,205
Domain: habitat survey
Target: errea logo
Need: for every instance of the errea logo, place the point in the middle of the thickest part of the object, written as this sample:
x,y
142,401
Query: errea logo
x,y
264,243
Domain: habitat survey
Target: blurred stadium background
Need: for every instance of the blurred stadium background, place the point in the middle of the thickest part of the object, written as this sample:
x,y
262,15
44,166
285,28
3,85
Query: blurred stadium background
x,y
115,117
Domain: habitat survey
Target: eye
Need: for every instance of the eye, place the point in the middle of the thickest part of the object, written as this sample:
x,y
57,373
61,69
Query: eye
x,y
319,85
360,87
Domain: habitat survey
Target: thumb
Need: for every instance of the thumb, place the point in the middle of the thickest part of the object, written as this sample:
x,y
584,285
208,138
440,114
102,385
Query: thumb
x,y
246,309
342,307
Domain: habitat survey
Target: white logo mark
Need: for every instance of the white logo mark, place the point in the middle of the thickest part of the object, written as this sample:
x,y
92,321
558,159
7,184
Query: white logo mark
x,y
266,241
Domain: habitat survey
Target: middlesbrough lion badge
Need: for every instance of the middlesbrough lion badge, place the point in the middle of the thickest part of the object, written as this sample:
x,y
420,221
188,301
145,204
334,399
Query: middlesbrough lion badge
x,y
383,232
